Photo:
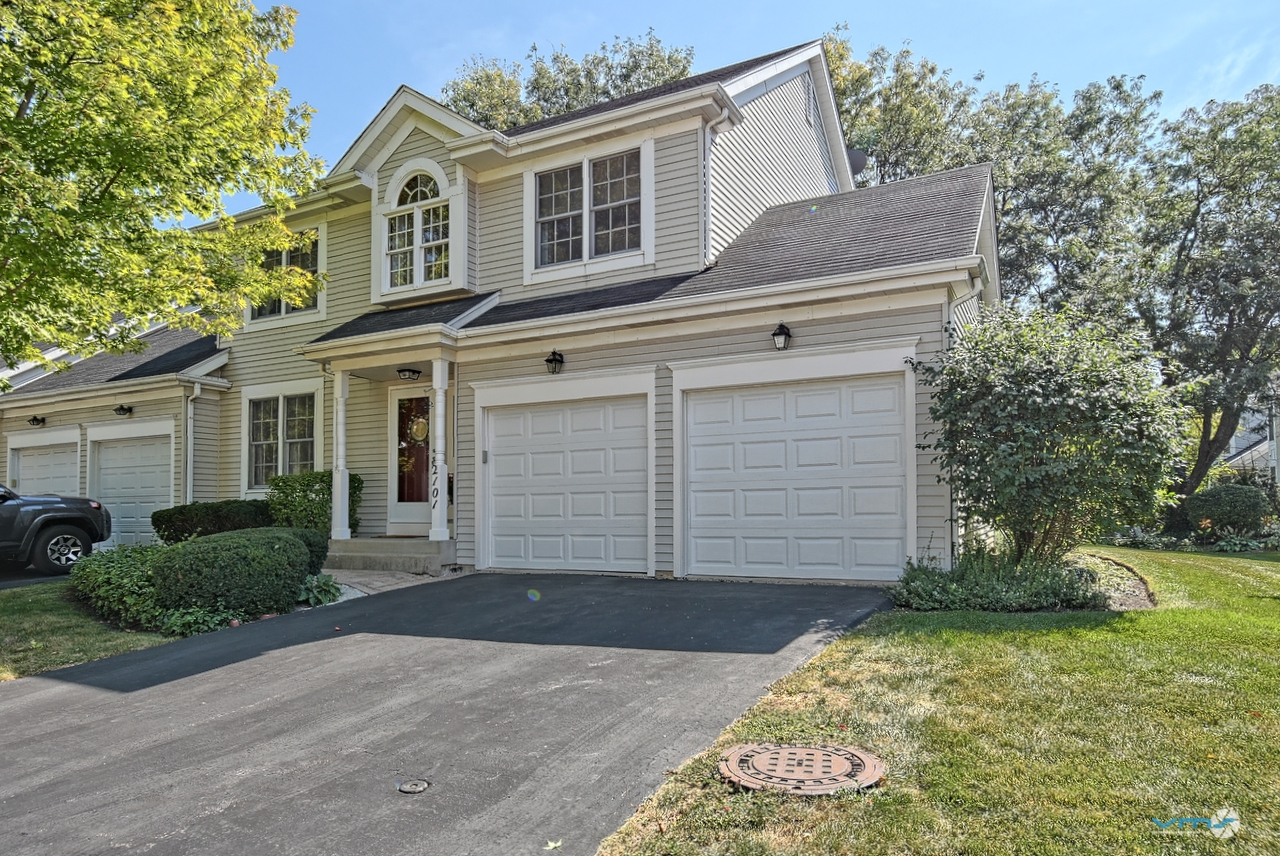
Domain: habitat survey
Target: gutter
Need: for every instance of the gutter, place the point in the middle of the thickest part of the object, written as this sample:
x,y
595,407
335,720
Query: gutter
x,y
106,390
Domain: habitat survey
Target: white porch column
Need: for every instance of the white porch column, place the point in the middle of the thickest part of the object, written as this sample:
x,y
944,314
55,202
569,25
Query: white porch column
x,y
439,471
341,529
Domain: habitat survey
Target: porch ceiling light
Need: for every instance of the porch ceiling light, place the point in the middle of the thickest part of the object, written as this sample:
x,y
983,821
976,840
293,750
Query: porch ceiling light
x,y
409,374
781,336
555,362
35,421
122,410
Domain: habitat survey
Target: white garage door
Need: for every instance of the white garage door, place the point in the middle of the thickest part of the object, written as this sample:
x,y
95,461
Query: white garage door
x,y
802,480
133,481
569,486
48,470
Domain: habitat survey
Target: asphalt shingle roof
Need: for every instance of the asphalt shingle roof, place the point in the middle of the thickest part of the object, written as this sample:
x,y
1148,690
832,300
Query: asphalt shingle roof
x,y
169,351
718,75
579,301
384,321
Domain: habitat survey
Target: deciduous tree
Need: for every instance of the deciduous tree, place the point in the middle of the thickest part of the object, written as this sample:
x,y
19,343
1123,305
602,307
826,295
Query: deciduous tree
x,y
118,120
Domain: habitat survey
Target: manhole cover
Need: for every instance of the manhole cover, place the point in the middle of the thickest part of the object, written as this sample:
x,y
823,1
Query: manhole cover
x,y
808,770
414,786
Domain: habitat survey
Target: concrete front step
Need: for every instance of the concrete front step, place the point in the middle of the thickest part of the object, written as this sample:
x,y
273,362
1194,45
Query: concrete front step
x,y
407,555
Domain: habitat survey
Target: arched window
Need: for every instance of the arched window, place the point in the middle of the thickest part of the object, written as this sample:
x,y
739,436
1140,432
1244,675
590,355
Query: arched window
x,y
418,234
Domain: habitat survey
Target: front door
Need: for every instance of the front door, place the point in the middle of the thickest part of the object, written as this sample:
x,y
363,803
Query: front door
x,y
409,485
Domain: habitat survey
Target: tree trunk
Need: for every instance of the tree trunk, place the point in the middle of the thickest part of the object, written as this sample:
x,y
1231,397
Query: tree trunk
x,y
1211,446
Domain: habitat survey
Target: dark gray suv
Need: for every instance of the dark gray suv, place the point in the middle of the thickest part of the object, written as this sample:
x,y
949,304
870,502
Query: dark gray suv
x,y
50,532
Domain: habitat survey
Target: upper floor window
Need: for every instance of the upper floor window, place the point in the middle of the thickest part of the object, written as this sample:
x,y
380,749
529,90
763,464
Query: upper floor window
x,y
610,210
418,234
302,256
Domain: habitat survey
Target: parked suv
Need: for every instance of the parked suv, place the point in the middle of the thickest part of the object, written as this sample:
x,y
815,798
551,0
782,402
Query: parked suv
x,y
50,532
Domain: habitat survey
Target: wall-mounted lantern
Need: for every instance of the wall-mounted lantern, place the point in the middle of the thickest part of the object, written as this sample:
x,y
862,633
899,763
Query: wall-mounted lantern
x,y
781,336
555,362
35,421
122,410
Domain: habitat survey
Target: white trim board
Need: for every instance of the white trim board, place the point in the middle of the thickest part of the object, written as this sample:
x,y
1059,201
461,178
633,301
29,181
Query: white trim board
x,y
549,390
43,437
869,357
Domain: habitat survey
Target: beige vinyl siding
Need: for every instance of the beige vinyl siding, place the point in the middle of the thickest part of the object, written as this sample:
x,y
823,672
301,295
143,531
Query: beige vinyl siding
x,y
367,452
778,154
418,144
677,201
473,233
925,322
61,415
207,451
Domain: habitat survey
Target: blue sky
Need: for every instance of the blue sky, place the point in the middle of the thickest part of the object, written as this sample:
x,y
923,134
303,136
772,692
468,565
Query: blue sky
x,y
349,57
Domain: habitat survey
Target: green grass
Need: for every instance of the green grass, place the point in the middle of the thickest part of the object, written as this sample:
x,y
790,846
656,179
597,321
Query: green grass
x,y
45,627
1042,733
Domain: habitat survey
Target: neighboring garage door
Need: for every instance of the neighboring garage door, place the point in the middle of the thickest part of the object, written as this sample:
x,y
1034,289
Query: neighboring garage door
x,y
48,470
799,480
569,486
133,481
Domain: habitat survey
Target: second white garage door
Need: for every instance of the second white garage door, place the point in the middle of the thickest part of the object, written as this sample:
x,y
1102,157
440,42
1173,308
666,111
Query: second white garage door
x,y
569,486
134,479
798,480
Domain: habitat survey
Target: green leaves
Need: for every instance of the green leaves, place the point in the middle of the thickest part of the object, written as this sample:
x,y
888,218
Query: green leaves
x,y
116,122
488,91
1051,428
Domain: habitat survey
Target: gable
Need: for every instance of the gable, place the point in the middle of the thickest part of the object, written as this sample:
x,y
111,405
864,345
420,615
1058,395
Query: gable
x,y
382,136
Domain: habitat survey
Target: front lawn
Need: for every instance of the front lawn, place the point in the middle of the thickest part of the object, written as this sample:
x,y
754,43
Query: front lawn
x,y
45,627
1046,733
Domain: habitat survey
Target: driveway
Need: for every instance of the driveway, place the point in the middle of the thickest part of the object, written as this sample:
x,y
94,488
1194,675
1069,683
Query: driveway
x,y
14,577
540,708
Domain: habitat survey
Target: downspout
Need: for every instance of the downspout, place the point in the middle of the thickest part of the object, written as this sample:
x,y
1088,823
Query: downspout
x,y
191,443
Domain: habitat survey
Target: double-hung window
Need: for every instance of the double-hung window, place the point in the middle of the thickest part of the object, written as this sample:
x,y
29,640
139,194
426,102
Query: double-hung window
x,y
418,235
303,256
282,437
589,208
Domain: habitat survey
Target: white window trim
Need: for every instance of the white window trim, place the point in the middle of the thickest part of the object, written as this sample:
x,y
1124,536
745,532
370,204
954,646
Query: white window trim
x,y
614,261
321,310
60,436
158,426
871,357
267,390
553,390
455,194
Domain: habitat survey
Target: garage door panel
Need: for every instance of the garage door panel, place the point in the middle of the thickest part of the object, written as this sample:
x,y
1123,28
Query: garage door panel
x,y
804,480
569,489
49,470
133,479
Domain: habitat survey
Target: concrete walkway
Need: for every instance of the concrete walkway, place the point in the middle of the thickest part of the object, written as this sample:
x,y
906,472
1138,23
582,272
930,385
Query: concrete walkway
x,y
539,707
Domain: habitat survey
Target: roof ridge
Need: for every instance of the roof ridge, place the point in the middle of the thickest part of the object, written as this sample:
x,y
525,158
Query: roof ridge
x,y
732,70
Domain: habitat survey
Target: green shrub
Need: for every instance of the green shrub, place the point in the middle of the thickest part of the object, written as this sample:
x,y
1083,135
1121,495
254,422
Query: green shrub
x,y
249,572
320,589
177,524
305,500
1237,506
194,620
119,585
317,544
993,582
1231,541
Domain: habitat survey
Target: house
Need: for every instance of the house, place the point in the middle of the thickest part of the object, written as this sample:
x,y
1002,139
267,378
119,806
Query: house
x,y
663,335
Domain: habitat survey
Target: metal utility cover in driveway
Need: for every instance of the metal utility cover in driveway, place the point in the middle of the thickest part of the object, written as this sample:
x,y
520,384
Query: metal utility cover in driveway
x,y
533,718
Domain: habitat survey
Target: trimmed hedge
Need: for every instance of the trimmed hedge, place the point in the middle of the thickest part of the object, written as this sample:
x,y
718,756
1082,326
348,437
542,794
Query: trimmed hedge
x,y
305,500
993,582
118,584
1240,507
252,572
182,522
317,544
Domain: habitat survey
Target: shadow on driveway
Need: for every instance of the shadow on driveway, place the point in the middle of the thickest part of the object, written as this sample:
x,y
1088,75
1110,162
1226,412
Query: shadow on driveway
x,y
532,609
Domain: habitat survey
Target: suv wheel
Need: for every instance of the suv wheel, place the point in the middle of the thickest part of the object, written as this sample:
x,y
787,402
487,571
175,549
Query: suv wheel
x,y
58,548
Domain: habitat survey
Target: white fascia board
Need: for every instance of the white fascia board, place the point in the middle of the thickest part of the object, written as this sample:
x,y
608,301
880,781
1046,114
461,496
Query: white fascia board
x,y
147,388
711,100
910,277
217,361
747,82
435,334
404,97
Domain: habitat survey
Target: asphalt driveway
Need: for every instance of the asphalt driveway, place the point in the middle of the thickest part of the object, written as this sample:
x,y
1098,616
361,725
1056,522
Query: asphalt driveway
x,y
539,707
